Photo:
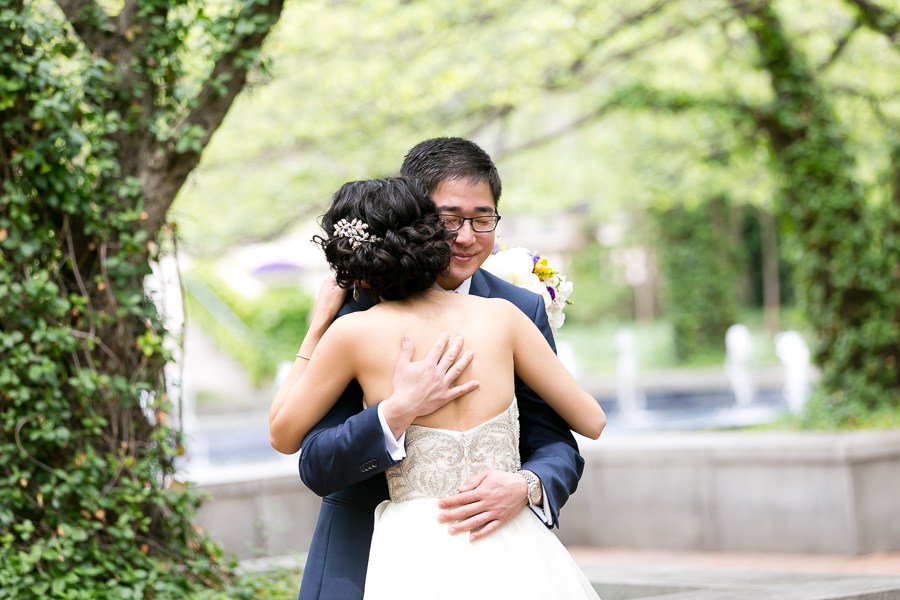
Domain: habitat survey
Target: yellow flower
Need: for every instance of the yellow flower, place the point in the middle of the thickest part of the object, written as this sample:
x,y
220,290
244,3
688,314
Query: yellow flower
x,y
542,270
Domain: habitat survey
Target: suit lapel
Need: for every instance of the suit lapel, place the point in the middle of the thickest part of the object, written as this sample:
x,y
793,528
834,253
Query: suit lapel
x,y
479,285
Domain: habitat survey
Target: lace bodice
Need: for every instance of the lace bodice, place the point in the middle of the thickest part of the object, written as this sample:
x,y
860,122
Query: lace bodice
x,y
438,461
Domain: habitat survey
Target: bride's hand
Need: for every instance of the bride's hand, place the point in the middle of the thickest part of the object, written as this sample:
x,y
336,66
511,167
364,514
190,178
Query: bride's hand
x,y
331,298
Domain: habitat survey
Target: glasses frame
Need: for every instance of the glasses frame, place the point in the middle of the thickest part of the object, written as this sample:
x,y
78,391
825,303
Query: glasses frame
x,y
471,221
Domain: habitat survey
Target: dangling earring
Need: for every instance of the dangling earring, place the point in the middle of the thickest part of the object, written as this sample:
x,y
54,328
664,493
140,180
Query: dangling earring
x,y
355,294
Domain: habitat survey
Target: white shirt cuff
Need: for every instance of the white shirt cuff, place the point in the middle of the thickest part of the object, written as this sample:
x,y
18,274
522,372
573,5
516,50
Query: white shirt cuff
x,y
396,448
542,510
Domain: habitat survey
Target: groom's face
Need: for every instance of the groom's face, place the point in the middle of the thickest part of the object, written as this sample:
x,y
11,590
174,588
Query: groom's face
x,y
460,198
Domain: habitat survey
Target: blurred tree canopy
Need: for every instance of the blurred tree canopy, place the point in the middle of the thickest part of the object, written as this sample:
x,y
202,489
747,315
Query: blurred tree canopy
x,y
789,105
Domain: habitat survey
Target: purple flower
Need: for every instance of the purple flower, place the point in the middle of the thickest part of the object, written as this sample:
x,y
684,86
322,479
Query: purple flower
x,y
552,292
497,247
535,258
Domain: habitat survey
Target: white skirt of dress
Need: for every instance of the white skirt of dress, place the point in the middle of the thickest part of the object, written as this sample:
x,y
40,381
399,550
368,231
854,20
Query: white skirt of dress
x,y
413,557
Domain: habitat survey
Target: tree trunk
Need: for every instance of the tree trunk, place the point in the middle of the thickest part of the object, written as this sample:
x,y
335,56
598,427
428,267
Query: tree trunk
x,y
770,282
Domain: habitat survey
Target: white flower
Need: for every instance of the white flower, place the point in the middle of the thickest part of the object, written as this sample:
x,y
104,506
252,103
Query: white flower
x,y
517,266
540,289
514,266
556,318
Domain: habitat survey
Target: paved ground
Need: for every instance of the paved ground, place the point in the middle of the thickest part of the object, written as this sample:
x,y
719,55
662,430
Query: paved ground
x,y
669,575
886,563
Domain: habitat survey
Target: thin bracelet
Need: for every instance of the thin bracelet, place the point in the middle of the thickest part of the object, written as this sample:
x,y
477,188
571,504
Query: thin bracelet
x,y
303,357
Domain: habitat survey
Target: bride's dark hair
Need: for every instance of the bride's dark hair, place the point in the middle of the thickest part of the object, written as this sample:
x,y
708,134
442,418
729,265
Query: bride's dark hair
x,y
414,247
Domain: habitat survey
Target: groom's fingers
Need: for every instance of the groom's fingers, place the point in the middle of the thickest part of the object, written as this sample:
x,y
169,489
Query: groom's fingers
x,y
462,390
454,371
407,350
491,527
470,484
450,355
437,349
470,524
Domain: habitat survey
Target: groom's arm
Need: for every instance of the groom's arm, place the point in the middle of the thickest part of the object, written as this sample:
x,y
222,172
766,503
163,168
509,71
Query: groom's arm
x,y
345,447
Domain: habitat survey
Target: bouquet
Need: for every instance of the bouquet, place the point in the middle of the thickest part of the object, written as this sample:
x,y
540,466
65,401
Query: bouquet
x,y
530,270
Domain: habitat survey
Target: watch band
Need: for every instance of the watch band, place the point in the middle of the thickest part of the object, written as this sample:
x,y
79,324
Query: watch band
x,y
533,486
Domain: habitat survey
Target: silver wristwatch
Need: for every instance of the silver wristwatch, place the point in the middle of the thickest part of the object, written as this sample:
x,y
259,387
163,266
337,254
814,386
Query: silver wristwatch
x,y
534,488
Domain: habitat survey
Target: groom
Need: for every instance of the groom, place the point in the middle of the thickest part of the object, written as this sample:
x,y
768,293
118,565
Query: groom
x,y
344,457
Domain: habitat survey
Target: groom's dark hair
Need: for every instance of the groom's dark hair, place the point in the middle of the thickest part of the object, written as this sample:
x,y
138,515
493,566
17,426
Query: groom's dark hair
x,y
439,159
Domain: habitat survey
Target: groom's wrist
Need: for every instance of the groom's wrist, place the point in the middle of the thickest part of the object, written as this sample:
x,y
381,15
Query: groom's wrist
x,y
397,415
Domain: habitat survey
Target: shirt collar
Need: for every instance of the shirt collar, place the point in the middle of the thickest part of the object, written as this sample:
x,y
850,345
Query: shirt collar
x,y
462,289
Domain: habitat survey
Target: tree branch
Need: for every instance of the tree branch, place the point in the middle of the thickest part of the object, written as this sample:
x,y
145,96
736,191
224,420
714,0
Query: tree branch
x,y
839,47
170,164
578,64
879,19
637,97
89,21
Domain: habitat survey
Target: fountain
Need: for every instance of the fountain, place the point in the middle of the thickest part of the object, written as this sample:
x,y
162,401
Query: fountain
x,y
632,402
791,349
739,353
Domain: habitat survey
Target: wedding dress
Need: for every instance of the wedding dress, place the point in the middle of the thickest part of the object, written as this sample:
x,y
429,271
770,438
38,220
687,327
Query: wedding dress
x,y
414,556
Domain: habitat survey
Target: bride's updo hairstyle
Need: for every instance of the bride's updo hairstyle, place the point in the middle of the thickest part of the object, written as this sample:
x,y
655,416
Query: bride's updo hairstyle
x,y
413,246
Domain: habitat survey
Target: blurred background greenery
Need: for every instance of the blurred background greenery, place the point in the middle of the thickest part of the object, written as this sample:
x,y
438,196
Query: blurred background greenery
x,y
626,116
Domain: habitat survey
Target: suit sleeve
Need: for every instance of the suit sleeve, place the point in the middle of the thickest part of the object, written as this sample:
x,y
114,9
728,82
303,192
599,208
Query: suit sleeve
x,y
347,446
546,443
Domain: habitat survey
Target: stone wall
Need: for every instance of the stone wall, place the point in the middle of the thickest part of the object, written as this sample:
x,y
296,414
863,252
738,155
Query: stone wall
x,y
740,491
730,491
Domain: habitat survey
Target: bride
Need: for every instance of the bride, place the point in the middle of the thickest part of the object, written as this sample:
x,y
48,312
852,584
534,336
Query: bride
x,y
387,236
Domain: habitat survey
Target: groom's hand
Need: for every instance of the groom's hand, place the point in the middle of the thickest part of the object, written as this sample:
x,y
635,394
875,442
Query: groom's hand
x,y
421,387
488,500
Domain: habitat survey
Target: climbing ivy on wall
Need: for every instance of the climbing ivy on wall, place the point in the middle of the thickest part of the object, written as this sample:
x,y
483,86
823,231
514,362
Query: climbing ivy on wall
x,y
100,124
700,263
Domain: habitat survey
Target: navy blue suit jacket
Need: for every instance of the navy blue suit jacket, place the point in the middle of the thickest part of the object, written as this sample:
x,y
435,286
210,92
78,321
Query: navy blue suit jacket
x,y
344,458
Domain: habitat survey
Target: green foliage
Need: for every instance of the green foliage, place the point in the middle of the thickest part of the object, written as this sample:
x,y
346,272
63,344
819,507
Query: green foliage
x,y
699,265
751,241
276,323
598,295
275,584
845,248
89,506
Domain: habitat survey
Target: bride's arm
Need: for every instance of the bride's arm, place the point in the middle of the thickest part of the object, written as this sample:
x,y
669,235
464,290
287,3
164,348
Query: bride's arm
x,y
542,371
332,366
328,303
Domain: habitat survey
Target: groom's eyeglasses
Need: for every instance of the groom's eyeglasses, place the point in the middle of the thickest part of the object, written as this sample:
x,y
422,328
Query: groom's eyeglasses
x,y
479,224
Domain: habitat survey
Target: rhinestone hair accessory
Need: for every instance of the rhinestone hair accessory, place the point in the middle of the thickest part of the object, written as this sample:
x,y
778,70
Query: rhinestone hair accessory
x,y
356,231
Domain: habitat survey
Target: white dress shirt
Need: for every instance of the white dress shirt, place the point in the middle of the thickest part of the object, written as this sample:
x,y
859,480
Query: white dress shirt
x,y
397,447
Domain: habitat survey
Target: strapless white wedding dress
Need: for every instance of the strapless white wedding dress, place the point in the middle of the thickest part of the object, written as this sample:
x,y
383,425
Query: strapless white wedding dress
x,y
414,556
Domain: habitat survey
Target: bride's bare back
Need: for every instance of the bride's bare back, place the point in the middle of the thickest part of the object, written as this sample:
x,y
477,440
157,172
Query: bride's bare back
x,y
479,321
365,346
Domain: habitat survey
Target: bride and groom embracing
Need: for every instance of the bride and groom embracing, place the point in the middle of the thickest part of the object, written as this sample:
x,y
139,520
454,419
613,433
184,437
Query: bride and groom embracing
x,y
380,420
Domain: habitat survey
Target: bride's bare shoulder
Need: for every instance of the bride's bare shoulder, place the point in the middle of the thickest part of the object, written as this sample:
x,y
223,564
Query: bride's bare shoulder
x,y
493,308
